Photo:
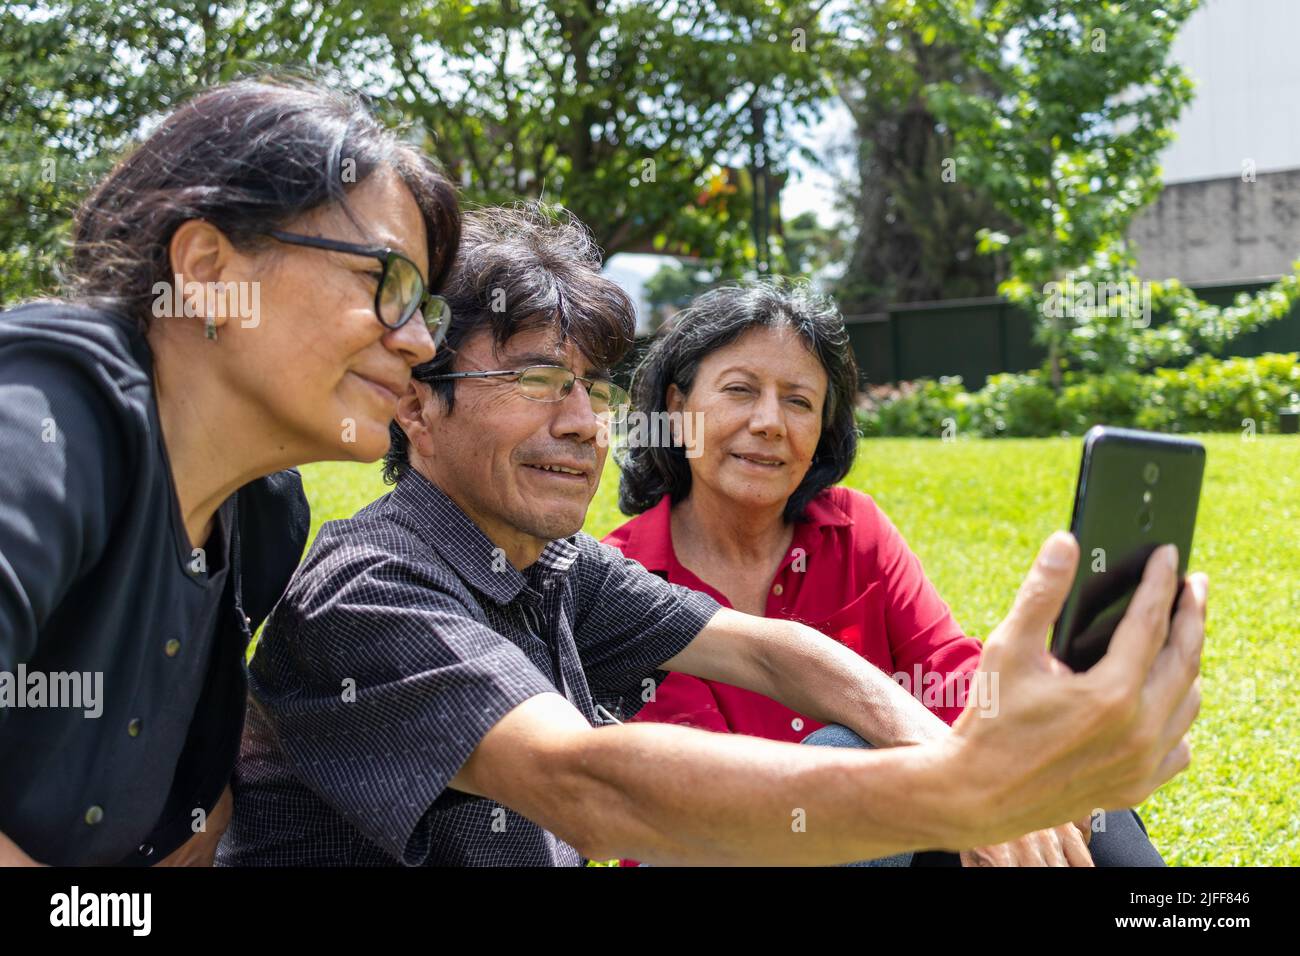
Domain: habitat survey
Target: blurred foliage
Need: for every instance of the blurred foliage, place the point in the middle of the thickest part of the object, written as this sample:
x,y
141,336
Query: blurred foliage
x,y
623,112
1083,99
620,111
1209,394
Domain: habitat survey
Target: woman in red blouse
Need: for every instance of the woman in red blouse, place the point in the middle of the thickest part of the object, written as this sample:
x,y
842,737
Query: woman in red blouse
x,y
758,384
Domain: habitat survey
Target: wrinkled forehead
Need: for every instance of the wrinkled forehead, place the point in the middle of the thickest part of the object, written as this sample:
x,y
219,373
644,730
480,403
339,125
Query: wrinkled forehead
x,y
543,343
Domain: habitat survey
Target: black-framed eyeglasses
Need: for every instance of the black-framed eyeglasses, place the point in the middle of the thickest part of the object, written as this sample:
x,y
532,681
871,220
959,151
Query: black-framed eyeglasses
x,y
553,383
401,291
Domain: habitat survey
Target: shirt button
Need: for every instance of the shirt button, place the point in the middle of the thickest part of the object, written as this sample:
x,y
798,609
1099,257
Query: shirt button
x,y
797,723
94,815
135,726
777,589
146,849
172,647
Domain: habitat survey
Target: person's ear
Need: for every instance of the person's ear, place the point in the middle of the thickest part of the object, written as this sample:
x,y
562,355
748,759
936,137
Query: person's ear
x,y
201,259
410,416
675,401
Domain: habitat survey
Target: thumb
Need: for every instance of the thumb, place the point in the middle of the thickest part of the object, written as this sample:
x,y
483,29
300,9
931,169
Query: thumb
x,y
1043,592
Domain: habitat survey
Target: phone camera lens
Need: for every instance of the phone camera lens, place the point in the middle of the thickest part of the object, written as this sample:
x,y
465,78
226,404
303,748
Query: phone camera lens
x,y
1145,518
1151,472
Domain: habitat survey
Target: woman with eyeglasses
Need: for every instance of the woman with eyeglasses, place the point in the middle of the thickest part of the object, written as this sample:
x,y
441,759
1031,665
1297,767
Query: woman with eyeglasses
x,y
250,291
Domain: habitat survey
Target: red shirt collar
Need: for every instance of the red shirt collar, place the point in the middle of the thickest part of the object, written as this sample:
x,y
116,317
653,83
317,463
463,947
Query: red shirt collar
x,y
648,537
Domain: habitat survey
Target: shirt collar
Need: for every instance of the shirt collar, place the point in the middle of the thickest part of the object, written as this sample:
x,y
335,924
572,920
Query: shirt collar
x,y
823,512
650,538
466,549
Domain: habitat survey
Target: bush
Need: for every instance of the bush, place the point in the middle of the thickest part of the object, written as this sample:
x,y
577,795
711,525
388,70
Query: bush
x,y
1017,405
1207,395
1222,394
916,408
1115,399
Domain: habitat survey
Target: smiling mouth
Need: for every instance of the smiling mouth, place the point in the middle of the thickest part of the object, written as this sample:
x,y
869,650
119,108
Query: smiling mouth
x,y
760,460
380,387
559,470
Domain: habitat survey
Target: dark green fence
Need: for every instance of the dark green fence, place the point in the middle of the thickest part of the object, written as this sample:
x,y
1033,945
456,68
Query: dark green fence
x,y
975,338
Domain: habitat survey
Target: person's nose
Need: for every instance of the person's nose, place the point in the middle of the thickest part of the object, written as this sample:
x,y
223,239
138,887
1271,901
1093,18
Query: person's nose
x,y
766,417
575,417
412,341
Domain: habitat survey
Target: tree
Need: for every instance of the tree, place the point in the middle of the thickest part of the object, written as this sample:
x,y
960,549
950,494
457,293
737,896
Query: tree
x,y
625,112
619,111
1062,132
915,221
1083,99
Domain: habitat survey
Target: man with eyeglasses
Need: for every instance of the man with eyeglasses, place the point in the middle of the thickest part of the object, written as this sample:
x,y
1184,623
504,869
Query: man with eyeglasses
x,y
444,680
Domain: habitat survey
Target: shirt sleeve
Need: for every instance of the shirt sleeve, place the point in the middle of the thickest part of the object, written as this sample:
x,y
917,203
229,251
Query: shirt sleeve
x,y
60,485
379,682
922,629
629,621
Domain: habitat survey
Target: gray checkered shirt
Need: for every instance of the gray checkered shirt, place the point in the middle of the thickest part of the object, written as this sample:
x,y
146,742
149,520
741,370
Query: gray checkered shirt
x,y
401,641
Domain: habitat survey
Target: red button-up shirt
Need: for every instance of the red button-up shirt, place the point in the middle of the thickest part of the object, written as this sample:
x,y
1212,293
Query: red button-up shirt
x,y
850,575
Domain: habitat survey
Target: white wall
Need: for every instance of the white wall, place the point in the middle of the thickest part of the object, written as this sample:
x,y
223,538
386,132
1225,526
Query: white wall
x,y
1244,56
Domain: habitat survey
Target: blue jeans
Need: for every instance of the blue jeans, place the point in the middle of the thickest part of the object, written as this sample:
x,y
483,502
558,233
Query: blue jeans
x,y
1124,842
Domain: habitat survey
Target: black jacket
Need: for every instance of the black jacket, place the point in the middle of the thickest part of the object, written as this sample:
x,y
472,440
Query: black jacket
x,y
98,583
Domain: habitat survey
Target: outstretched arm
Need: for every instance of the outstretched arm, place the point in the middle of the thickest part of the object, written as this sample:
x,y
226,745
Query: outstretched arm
x,y
1057,745
810,673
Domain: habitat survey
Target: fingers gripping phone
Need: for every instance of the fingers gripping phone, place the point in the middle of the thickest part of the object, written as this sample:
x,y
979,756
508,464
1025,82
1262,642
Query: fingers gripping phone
x,y
1137,491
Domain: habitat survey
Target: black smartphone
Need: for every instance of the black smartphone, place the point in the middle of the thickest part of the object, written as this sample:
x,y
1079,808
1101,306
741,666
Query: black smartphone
x,y
1137,491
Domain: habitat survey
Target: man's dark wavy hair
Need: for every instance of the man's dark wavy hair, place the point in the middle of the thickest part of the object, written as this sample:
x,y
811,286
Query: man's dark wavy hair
x,y
712,321
519,267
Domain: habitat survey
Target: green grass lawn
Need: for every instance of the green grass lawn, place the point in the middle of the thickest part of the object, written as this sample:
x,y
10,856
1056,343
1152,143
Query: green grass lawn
x,y
976,511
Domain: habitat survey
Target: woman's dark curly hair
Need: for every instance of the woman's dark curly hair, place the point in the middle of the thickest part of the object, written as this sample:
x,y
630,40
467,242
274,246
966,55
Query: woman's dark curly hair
x,y
715,320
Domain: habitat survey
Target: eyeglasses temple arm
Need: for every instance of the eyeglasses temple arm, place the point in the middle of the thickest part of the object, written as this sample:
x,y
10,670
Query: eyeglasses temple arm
x,y
446,375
